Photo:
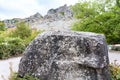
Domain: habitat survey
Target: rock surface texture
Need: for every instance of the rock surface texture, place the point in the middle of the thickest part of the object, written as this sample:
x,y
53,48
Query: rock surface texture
x,y
66,55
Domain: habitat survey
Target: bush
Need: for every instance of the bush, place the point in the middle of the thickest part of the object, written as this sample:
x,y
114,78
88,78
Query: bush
x,y
13,41
17,46
11,47
99,17
106,23
84,10
22,30
115,71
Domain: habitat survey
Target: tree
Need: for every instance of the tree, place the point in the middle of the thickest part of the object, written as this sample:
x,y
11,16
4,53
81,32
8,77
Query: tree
x,y
91,8
118,3
84,10
106,22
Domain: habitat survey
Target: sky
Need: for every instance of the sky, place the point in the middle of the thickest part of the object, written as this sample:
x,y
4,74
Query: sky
x,y
24,8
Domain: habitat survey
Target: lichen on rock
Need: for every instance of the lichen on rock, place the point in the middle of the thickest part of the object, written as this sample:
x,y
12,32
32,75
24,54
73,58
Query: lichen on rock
x,y
66,55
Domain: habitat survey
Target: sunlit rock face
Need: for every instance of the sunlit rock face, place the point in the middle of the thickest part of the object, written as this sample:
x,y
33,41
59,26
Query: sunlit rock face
x,y
66,55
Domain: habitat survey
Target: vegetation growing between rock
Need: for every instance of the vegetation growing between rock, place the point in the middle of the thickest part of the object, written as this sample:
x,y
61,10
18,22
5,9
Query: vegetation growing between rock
x,y
26,77
62,13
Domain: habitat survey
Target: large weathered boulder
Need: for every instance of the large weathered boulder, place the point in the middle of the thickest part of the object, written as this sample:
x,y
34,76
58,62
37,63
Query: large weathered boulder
x,y
66,55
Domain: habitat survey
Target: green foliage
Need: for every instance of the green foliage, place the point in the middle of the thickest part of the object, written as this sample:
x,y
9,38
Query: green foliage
x,y
26,77
116,7
118,3
84,10
62,13
2,26
10,47
23,31
115,71
91,8
106,22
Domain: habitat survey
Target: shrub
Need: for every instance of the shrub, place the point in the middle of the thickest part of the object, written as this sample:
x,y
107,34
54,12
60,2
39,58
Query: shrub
x,y
13,41
102,17
11,47
22,30
17,46
106,23
115,71
84,10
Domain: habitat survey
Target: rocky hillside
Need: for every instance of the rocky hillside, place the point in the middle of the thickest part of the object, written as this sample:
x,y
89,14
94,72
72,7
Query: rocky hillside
x,y
33,18
60,17
63,12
